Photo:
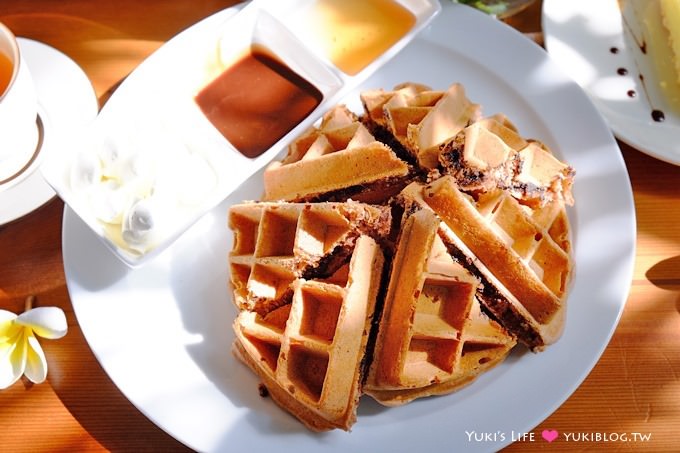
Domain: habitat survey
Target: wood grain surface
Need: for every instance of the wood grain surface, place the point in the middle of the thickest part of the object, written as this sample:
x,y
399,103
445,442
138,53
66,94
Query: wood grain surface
x,y
635,387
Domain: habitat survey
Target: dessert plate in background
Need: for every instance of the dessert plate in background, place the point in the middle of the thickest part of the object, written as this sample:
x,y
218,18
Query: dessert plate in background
x,y
163,332
592,44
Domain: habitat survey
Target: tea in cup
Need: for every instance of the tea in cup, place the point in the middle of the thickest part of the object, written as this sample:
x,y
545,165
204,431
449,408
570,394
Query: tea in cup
x,y
19,132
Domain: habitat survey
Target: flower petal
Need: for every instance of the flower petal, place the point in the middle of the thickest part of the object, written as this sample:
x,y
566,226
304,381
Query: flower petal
x,y
12,360
7,324
36,364
46,322
8,344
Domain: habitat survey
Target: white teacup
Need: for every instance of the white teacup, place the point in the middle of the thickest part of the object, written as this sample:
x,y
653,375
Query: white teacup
x,y
18,112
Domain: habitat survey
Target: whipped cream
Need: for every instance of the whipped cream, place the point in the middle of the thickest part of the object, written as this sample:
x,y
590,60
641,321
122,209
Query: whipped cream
x,y
140,184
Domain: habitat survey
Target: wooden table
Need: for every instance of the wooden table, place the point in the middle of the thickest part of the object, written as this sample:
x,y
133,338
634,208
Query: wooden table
x,y
635,387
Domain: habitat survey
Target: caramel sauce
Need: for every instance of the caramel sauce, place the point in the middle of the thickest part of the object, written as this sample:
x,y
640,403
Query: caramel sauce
x,y
6,71
354,33
257,100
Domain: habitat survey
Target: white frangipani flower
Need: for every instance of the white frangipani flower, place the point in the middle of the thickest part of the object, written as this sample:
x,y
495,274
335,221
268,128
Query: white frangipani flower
x,y
20,352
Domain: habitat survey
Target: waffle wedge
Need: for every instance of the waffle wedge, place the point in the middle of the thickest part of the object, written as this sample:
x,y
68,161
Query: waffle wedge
x,y
490,154
309,353
418,118
337,161
542,179
433,337
275,243
482,156
521,254
484,347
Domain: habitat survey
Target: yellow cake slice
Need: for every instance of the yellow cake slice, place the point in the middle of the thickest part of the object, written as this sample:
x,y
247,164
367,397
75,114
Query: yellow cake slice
x,y
654,26
670,13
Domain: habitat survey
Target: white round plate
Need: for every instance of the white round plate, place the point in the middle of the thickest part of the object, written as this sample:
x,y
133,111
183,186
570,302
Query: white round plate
x,y
579,35
163,332
66,101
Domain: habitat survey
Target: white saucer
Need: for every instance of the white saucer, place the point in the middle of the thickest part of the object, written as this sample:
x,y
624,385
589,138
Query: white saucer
x,y
66,102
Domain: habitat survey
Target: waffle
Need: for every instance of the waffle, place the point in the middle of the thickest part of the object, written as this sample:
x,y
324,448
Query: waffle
x,y
541,179
433,337
309,353
479,354
275,243
337,161
418,118
478,260
490,154
482,156
521,254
